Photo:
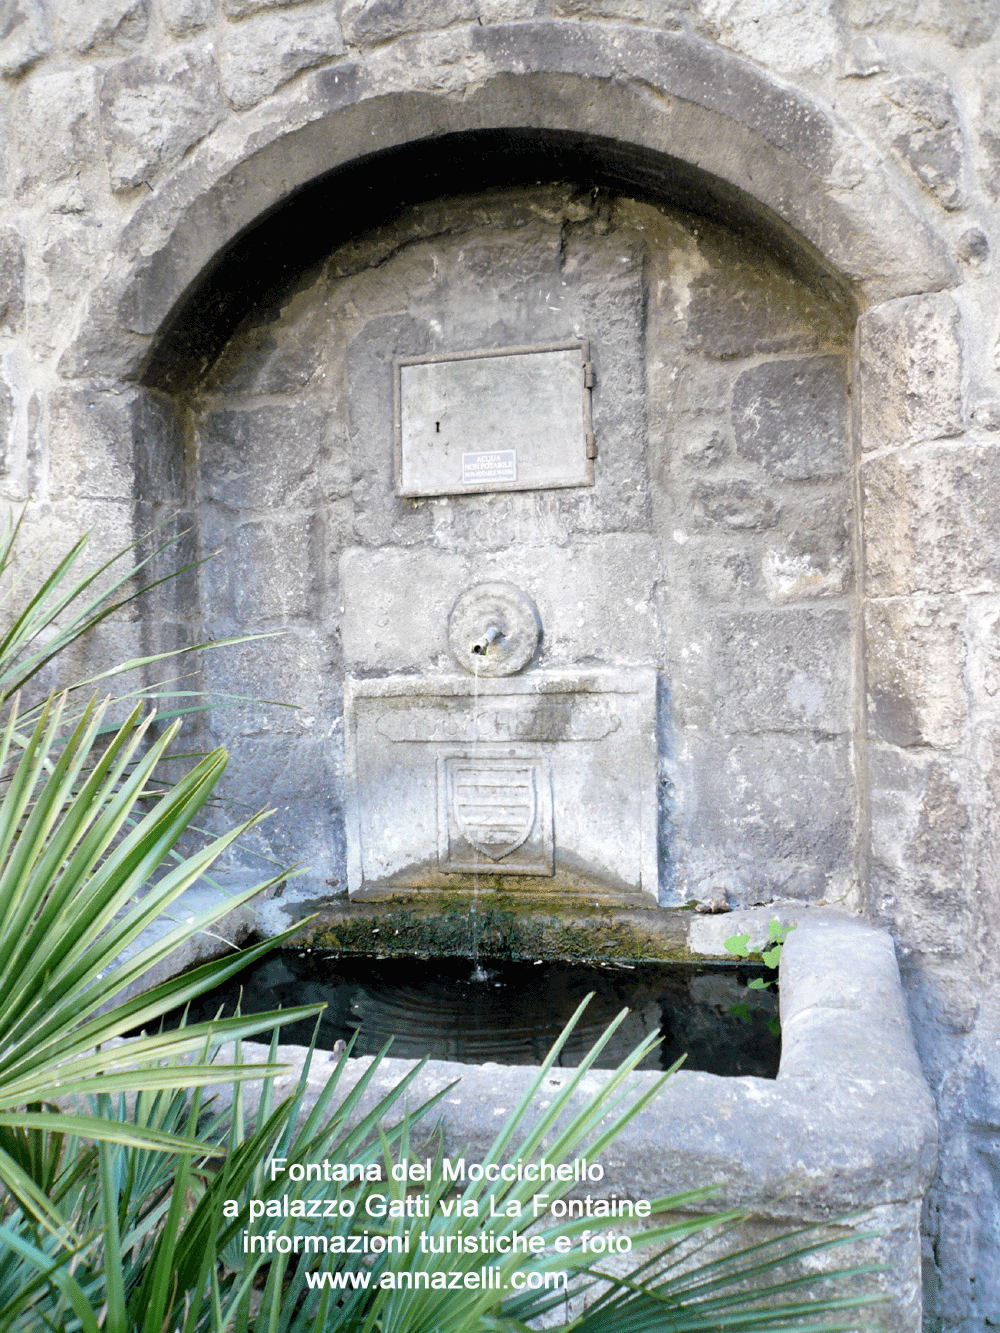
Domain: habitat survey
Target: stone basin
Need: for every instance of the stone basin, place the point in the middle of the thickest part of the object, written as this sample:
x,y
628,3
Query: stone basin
x,y
846,1133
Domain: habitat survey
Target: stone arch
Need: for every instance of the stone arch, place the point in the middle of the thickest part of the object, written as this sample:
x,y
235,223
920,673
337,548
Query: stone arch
x,y
656,113
663,111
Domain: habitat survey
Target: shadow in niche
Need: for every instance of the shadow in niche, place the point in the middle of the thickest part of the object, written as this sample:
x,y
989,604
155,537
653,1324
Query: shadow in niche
x,y
259,265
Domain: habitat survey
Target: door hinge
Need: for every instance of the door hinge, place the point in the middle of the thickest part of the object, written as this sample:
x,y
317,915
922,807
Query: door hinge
x,y
591,446
588,374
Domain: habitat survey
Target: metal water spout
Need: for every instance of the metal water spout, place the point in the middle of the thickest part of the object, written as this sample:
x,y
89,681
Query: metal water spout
x,y
491,635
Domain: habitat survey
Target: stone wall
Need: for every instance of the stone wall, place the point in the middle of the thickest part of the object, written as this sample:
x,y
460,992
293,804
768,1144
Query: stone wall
x,y
712,546
840,616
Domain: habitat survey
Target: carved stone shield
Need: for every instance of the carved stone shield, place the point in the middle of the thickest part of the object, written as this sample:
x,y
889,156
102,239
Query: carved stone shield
x,y
494,804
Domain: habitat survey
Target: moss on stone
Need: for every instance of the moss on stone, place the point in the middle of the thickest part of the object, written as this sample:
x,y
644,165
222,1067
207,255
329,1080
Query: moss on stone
x,y
506,928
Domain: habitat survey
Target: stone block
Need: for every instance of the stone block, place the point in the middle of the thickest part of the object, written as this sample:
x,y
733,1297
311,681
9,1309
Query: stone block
x,y
915,660
97,25
791,417
259,56
984,652
298,781
548,778
154,109
813,557
733,503
963,23
732,300
242,465
114,444
371,22
987,126
930,521
754,671
91,444
11,280
109,526
184,16
24,36
269,686
764,817
278,354
241,9
910,371
264,572
789,36
595,601
62,252
7,428
721,570
54,127
923,126
920,826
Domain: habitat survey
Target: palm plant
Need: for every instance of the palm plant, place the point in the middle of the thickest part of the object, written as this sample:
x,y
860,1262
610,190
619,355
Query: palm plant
x,y
88,860
164,1240
131,1219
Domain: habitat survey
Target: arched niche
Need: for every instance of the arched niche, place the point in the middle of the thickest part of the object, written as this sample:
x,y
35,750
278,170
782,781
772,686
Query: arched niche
x,y
715,548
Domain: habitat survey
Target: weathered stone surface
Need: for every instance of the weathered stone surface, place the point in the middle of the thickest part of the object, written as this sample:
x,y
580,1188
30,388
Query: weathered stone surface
x,y
282,683
241,9
591,596
814,558
915,655
277,354
668,13
7,424
93,25
184,16
919,847
967,23
24,36
152,111
788,35
116,445
259,56
734,503
721,570
369,22
11,280
964,23
910,371
791,417
988,130
54,127
90,444
241,467
773,817
766,671
271,573
62,252
731,303
930,521
299,782
925,130
984,651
